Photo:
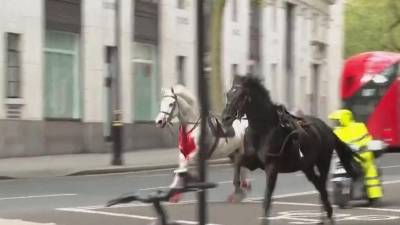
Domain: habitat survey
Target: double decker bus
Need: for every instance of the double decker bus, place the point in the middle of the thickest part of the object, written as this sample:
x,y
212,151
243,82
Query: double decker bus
x,y
370,88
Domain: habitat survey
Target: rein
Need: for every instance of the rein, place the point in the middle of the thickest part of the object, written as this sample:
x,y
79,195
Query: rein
x,y
287,121
285,142
176,105
216,131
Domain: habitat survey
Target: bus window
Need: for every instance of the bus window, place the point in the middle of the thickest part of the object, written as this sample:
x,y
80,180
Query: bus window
x,y
364,101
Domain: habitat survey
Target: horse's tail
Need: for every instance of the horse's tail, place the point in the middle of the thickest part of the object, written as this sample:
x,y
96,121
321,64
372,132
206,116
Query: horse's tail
x,y
348,158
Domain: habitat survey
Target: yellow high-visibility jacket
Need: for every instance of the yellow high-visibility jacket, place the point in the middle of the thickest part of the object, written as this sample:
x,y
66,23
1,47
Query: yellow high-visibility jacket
x,y
354,134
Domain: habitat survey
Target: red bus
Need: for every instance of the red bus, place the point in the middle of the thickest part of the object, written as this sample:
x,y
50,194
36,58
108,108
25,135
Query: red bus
x,y
370,88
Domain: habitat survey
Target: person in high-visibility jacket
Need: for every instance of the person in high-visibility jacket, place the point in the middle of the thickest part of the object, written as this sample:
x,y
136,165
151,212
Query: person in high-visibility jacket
x,y
356,134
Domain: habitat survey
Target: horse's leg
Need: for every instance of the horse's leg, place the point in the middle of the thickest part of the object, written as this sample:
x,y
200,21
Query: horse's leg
x,y
192,174
183,165
320,184
238,195
244,183
178,179
272,175
324,172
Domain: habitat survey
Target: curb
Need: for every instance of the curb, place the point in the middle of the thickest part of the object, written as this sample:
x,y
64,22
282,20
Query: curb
x,y
121,170
125,169
139,168
6,178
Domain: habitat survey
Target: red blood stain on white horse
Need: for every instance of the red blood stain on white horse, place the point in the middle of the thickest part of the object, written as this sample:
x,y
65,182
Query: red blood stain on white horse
x,y
186,141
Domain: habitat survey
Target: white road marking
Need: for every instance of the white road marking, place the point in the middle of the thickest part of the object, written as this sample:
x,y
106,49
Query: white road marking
x,y
124,215
295,194
391,182
165,187
387,167
36,196
153,188
231,181
226,182
295,203
91,209
312,216
285,195
21,222
106,213
380,209
318,205
96,207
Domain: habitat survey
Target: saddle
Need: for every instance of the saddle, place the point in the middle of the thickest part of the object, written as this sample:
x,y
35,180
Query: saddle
x,y
295,125
290,121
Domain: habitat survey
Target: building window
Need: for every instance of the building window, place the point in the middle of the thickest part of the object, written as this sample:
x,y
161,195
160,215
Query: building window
x,y
234,10
180,69
146,82
181,4
62,81
13,84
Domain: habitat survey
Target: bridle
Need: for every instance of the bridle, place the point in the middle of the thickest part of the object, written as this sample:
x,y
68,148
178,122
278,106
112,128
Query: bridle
x,y
239,106
176,106
217,131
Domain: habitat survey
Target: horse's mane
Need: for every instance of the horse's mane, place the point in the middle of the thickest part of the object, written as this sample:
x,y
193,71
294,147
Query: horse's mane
x,y
254,84
184,93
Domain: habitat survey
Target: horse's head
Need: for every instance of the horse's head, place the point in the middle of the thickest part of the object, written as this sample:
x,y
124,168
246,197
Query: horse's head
x,y
168,108
247,96
238,98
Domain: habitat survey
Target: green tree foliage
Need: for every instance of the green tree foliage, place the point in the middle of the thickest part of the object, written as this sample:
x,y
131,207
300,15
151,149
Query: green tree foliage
x,y
216,87
216,78
372,25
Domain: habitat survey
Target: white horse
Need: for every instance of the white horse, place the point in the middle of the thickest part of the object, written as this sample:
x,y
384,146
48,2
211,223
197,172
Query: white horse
x,y
178,103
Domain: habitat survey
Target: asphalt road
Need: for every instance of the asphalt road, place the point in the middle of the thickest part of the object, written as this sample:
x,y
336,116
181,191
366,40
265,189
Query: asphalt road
x,y
79,200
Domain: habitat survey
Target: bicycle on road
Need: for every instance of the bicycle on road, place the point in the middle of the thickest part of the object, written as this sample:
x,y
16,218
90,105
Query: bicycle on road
x,y
155,198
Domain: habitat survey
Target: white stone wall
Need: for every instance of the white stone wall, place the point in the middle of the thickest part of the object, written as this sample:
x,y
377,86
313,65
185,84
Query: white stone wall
x,y
235,42
24,17
329,31
98,31
177,38
126,11
335,53
270,48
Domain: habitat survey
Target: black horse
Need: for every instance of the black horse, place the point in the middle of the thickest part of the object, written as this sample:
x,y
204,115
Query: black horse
x,y
279,142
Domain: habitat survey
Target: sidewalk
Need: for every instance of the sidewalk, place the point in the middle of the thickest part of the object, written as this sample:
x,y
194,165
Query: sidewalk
x,y
84,164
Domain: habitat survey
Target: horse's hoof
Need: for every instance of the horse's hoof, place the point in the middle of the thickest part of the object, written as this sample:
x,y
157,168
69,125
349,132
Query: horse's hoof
x,y
175,198
246,185
236,197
